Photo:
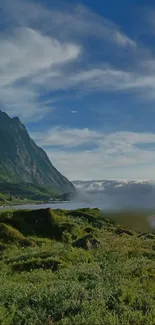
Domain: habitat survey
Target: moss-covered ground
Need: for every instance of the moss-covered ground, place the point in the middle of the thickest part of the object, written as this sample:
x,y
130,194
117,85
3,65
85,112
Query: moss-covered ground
x,y
76,268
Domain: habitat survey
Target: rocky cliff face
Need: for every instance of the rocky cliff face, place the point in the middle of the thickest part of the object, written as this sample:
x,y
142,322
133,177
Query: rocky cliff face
x,y
21,160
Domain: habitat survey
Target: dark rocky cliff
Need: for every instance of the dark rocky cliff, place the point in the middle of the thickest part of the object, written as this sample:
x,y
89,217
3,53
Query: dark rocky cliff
x,y
21,160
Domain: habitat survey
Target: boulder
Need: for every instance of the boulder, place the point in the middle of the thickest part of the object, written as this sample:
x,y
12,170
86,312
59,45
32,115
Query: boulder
x,y
87,242
121,231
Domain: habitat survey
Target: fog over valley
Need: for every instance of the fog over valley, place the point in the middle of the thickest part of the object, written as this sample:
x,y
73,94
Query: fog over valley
x,y
116,194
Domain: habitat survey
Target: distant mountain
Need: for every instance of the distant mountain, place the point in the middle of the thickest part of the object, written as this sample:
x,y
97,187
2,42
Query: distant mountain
x,y
21,160
113,186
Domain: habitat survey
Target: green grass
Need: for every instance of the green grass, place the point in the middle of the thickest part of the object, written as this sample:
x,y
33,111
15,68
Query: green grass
x,y
43,272
19,193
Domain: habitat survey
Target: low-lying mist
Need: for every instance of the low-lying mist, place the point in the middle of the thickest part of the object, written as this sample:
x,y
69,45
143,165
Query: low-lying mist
x,y
130,204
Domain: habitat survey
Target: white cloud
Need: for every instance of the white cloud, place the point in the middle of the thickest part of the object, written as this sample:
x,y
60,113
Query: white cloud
x,y
81,22
46,52
111,80
66,20
117,153
23,13
45,41
23,102
91,165
40,44
24,54
28,52
58,136
88,80
100,79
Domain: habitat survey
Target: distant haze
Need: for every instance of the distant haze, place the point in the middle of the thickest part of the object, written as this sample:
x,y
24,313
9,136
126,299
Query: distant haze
x,y
117,194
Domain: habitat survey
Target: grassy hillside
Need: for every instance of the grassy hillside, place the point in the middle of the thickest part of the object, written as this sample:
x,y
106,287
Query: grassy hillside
x,y
11,193
77,266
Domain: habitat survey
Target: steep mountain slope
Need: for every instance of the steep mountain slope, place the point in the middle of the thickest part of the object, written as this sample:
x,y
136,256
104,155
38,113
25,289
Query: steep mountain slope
x,y
21,160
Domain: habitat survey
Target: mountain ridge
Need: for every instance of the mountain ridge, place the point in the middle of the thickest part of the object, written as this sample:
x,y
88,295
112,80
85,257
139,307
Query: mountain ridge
x,y
111,185
21,160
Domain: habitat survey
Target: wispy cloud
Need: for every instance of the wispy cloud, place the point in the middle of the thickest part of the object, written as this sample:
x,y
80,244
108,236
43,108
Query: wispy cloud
x,y
66,21
66,137
25,54
107,79
38,50
23,102
79,21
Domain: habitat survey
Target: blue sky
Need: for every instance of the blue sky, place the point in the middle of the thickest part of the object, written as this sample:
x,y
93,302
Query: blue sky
x,y
81,76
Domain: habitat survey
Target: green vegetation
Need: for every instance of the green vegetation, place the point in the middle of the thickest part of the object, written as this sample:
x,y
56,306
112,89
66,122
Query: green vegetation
x,y
77,266
20,193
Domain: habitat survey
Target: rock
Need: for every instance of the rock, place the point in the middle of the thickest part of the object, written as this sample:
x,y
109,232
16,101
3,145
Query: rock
x,y
88,242
120,231
147,236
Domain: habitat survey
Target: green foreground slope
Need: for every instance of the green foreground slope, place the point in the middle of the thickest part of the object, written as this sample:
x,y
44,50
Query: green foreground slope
x,y
76,266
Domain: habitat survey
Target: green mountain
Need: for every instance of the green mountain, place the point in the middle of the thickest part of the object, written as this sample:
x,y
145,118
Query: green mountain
x,y
22,161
